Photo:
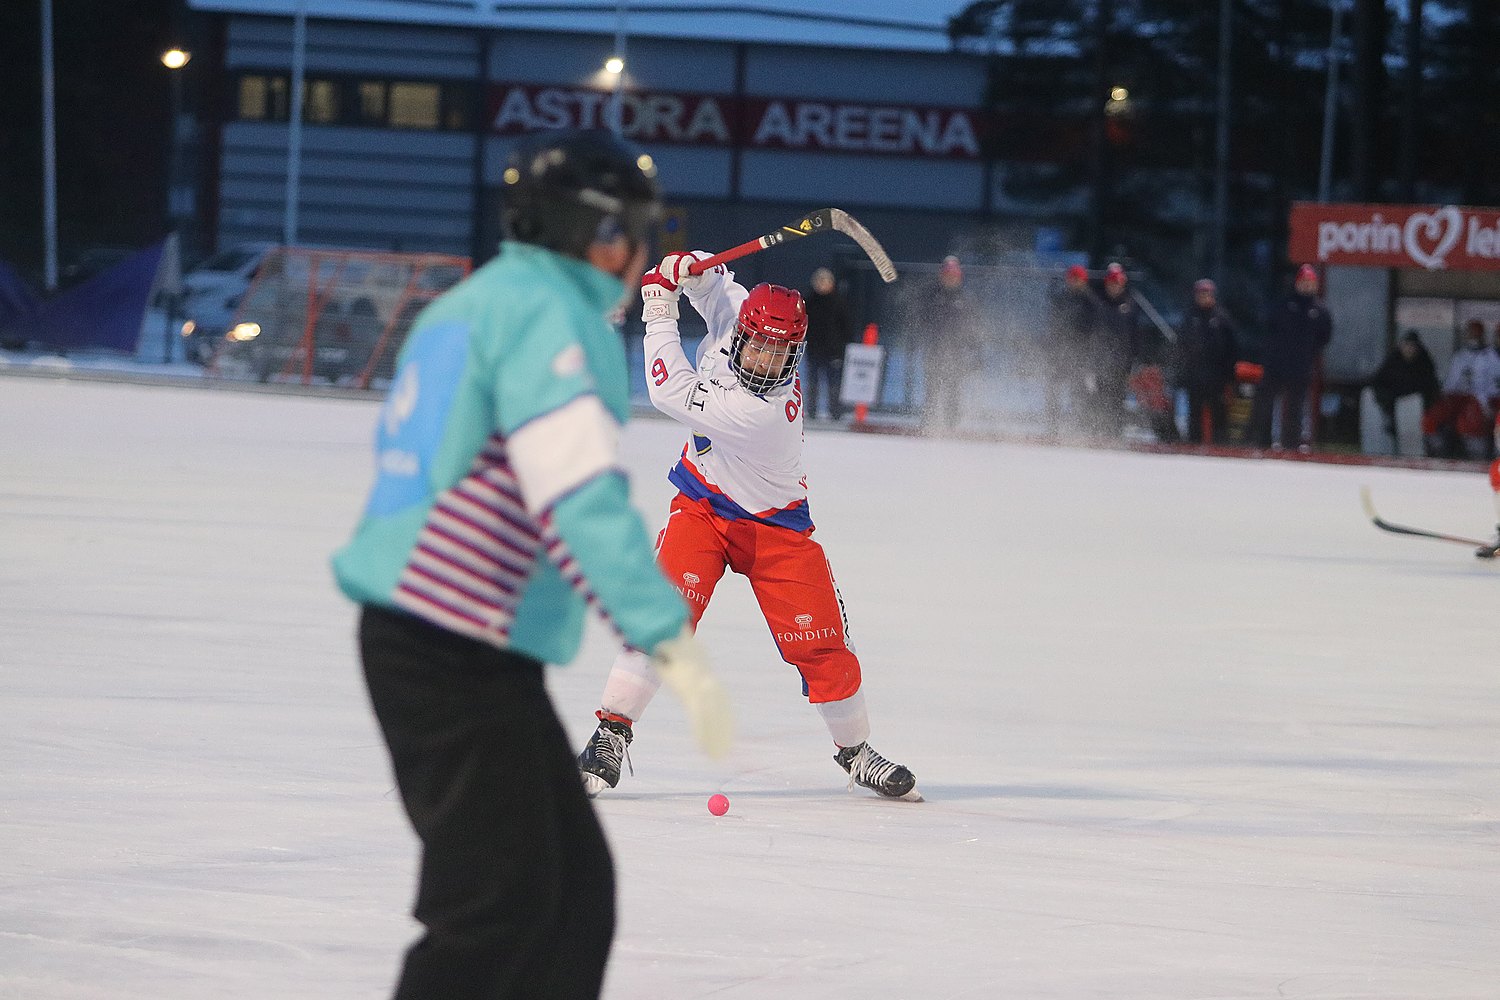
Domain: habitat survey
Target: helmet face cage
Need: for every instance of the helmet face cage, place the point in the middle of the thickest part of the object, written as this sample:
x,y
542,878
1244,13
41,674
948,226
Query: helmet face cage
x,y
771,318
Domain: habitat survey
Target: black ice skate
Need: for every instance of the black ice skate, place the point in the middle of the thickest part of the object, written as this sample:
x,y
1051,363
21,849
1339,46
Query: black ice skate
x,y
1491,550
868,768
599,764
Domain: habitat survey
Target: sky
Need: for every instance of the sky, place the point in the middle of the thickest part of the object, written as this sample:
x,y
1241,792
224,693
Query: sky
x,y
1187,727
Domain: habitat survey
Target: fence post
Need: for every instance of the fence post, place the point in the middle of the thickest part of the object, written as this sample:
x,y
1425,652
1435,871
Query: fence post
x,y
872,337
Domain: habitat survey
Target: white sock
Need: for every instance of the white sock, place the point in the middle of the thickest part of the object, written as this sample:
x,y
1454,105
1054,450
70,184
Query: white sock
x,y
631,685
848,720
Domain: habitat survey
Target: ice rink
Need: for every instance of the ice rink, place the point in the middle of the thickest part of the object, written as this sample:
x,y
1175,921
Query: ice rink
x,y
1187,728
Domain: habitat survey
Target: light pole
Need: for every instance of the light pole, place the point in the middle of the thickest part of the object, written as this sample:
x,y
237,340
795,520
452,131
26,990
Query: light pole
x,y
1330,102
616,65
175,60
49,151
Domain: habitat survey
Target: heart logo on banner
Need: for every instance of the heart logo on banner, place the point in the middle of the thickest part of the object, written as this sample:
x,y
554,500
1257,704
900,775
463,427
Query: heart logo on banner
x,y
1440,228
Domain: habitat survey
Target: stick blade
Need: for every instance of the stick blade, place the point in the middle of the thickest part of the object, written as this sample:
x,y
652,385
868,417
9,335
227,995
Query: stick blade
x,y
850,226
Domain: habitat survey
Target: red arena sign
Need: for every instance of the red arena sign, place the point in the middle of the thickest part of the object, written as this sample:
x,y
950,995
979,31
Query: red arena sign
x,y
759,123
1434,237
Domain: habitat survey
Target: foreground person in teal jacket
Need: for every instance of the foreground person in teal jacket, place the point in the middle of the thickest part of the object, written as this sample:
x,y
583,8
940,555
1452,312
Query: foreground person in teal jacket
x,y
498,513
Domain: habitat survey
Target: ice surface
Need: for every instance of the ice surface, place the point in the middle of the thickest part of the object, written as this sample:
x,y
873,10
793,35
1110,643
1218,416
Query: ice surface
x,y
1187,728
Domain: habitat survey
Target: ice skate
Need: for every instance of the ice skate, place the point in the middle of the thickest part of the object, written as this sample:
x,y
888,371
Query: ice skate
x,y
599,764
868,768
1491,550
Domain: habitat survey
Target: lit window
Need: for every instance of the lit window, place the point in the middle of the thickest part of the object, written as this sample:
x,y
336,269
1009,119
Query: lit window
x,y
322,103
414,105
372,102
253,98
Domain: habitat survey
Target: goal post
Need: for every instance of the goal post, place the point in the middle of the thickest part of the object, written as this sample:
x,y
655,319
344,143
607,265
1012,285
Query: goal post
x,y
337,316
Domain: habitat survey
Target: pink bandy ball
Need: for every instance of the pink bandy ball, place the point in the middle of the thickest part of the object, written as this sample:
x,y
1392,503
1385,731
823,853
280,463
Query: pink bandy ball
x,y
718,804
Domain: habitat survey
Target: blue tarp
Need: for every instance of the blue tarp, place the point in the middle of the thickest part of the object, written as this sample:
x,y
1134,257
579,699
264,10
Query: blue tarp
x,y
105,311
17,301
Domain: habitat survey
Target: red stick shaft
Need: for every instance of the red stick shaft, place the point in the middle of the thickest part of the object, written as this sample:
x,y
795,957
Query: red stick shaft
x,y
724,257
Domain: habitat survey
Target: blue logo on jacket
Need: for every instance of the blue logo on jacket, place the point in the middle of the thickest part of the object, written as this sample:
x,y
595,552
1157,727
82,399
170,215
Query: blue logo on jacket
x,y
415,417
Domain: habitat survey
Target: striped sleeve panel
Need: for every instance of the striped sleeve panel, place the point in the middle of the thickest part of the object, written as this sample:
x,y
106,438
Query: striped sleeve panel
x,y
475,553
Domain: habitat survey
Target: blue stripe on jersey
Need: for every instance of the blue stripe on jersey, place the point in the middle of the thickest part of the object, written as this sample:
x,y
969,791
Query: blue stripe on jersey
x,y
797,517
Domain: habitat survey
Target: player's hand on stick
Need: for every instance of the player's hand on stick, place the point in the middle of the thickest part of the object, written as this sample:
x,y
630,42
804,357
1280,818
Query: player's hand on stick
x,y
683,667
674,266
659,296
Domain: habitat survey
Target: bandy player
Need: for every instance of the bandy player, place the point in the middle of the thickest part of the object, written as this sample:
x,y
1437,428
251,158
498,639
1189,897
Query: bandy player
x,y
742,505
1492,550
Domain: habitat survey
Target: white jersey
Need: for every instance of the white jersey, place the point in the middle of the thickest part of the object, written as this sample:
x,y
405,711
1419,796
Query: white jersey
x,y
1474,373
745,453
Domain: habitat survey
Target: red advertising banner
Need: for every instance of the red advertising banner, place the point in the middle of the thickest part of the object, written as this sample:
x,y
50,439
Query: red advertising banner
x,y
1434,237
757,123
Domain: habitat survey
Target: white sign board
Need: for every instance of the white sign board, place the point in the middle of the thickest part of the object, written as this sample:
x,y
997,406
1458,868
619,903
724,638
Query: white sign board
x,y
861,382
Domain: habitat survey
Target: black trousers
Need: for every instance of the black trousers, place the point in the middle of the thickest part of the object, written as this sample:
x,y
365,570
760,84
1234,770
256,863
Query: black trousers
x,y
1273,387
1209,400
517,888
820,368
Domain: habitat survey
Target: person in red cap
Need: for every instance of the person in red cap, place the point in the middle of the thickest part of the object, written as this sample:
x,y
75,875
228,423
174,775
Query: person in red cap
x,y
1300,329
952,342
1109,373
1206,350
1074,323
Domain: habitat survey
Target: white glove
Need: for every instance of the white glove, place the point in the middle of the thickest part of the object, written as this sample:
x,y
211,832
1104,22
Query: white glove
x,y
659,296
683,667
674,267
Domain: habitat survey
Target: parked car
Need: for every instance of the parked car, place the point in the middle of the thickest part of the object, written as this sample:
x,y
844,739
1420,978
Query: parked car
x,y
211,295
339,316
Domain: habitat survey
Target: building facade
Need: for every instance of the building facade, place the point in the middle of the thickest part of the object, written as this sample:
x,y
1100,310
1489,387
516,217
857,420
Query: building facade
x,y
407,120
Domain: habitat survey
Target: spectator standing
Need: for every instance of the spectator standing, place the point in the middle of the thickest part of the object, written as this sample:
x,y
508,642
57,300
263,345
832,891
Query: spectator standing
x,y
1074,324
830,328
497,513
952,345
1114,350
1206,351
1494,398
1408,370
1300,329
1459,422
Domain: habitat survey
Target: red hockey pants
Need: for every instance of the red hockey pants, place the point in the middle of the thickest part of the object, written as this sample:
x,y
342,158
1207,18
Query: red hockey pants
x,y
790,577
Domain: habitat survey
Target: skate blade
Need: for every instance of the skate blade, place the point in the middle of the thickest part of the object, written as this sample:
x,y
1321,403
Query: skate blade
x,y
593,784
912,796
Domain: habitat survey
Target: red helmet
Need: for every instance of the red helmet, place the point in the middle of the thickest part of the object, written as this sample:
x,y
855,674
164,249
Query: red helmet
x,y
772,317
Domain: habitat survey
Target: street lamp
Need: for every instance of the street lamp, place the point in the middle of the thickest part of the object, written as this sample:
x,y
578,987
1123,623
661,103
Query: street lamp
x,y
174,59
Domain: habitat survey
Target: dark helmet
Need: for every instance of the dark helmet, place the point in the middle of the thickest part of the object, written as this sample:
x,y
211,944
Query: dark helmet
x,y
773,316
565,190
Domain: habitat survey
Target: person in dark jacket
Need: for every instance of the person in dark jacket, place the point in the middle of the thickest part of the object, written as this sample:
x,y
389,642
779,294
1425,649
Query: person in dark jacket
x,y
1074,325
1408,370
1116,347
952,346
830,328
1206,349
1299,331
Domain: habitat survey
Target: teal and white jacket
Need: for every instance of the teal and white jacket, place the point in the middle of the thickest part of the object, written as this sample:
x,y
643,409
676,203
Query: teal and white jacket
x,y
499,510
